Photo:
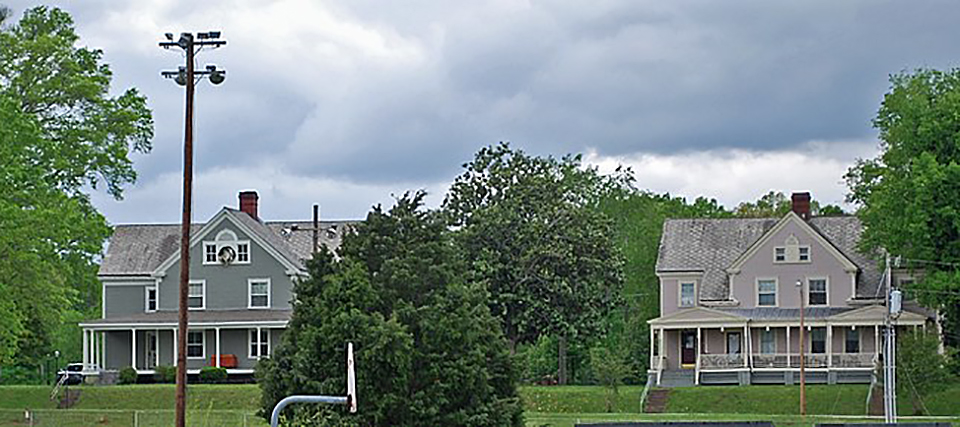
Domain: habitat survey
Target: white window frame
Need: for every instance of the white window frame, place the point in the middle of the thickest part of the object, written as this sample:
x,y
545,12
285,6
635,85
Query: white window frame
x,y
203,344
776,291
680,284
784,253
250,283
207,245
826,290
253,332
846,336
243,243
203,294
146,299
800,250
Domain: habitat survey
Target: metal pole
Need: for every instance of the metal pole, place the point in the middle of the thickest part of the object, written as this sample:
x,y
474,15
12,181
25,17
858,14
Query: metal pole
x,y
334,400
185,238
316,227
889,373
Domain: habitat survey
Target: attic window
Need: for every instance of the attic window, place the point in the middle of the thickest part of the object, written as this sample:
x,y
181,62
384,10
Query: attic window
x,y
243,252
791,252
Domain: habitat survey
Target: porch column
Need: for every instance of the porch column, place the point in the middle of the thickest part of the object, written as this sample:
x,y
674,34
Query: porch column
x,y
258,343
133,348
217,356
876,341
86,349
746,340
829,346
696,372
156,354
176,349
95,337
788,347
652,344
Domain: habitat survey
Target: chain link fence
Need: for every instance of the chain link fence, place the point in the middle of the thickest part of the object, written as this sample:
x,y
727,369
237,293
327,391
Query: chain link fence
x,y
126,418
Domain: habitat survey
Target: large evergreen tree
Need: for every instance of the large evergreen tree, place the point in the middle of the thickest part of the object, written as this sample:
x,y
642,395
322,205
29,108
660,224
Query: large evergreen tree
x,y
428,351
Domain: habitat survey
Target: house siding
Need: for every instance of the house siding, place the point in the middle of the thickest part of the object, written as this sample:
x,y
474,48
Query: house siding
x,y
670,292
123,300
823,264
226,286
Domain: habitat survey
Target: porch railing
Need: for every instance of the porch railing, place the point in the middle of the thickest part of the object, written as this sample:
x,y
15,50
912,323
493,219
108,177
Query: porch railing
x,y
854,360
789,361
721,361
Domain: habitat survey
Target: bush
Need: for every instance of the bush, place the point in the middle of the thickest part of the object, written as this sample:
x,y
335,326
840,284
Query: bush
x,y
165,374
213,374
128,375
20,375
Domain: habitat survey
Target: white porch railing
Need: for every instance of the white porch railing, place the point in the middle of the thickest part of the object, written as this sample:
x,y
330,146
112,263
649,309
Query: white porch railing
x,y
791,360
721,361
854,360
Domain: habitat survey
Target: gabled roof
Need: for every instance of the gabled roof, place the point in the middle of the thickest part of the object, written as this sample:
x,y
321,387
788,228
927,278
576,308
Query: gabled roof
x,y
793,218
712,245
699,315
140,249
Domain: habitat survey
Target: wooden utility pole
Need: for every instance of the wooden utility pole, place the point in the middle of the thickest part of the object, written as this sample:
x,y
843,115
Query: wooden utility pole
x,y
186,76
803,376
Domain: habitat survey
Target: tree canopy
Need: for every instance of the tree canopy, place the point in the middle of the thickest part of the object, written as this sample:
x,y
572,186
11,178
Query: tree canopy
x,y
908,193
61,131
428,351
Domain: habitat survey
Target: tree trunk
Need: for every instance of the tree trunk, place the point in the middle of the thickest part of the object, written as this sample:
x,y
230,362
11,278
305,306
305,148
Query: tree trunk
x,y
562,361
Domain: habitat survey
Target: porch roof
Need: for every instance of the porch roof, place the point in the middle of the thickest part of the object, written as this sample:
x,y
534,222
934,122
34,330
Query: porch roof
x,y
244,317
699,316
737,317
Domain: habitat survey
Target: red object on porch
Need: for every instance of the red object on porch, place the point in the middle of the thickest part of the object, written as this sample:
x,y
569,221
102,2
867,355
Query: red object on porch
x,y
226,360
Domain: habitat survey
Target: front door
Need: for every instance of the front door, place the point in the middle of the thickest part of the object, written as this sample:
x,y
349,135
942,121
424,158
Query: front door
x,y
688,348
733,343
151,350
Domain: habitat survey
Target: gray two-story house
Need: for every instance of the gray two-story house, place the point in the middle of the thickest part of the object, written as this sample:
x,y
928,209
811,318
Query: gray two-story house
x,y
731,292
242,272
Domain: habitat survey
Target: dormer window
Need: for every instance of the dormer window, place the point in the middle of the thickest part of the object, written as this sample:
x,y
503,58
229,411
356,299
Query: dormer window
x,y
791,252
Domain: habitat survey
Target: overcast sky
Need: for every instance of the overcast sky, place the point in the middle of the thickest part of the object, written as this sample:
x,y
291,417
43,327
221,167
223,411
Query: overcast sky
x,y
345,103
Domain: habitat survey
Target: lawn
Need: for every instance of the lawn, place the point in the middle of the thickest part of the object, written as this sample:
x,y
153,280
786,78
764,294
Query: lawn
x,y
236,405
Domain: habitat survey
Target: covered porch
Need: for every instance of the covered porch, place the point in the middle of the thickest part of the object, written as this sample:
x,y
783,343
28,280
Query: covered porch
x,y
146,341
746,346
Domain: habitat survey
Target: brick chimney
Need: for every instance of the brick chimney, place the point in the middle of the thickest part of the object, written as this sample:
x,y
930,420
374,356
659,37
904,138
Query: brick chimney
x,y
801,204
248,203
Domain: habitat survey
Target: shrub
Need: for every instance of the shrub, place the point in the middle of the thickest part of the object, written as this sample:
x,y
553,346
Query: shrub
x,y
20,375
213,374
128,375
165,374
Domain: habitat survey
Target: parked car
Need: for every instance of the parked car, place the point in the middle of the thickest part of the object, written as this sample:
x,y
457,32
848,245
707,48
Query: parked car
x,y
73,372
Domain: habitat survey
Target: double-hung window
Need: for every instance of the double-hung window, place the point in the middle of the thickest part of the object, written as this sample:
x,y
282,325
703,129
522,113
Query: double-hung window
x,y
150,304
259,344
209,253
766,292
196,298
243,253
817,292
195,345
688,294
259,293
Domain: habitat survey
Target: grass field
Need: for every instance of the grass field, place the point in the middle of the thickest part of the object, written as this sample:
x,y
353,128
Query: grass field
x,y
236,405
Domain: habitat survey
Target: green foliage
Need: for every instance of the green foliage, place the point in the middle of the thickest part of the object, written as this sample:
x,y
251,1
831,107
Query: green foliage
x,y
921,369
427,350
908,194
127,375
167,374
638,224
776,204
609,369
210,374
538,361
61,131
532,232
21,375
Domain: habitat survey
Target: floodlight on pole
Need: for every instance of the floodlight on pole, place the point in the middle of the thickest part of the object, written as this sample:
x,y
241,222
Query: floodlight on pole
x,y
188,77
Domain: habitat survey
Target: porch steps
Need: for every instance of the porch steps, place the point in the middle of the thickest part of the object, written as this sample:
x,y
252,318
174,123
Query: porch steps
x,y
657,401
677,378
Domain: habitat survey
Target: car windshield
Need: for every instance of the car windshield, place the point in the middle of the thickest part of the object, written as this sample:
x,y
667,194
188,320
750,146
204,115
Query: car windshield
x,y
74,368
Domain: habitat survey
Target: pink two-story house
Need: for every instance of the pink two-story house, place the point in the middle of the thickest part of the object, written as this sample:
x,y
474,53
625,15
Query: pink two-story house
x,y
730,301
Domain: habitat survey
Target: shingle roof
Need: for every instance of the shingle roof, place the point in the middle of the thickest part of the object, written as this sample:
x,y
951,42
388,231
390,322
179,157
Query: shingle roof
x,y
138,249
775,313
711,245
